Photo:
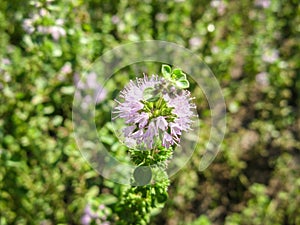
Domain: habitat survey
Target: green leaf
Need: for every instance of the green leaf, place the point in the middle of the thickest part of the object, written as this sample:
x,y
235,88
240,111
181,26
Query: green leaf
x,y
68,90
162,197
108,199
178,74
107,139
182,83
166,71
92,192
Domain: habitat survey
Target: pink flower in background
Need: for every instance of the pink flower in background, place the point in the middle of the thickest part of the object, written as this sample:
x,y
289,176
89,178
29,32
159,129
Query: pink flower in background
x,y
6,61
88,215
91,90
262,79
156,121
195,42
67,68
270,55
33,24
219,5
263,3
98,216
28,25
115,19
56,32
43,12
162,17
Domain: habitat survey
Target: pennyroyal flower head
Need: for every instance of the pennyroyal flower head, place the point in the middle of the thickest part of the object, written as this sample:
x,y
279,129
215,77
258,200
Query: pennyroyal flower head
x,y
156,110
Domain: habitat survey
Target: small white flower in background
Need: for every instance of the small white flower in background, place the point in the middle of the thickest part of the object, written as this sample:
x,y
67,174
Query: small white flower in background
x,y
6,61
67,68
64,71
115,19
219,5
263,3
262,78
195,42
215,49
59,22
162,17
28,26
32,24
7,77
43,29
270,55
43,12
57,32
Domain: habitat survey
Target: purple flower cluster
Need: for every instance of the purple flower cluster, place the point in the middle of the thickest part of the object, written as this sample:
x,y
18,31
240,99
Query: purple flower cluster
x,y
33,24
91,89
156,122
99,216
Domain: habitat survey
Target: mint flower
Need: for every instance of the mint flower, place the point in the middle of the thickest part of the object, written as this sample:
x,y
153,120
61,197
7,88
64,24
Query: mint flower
x,y
155,110
91,216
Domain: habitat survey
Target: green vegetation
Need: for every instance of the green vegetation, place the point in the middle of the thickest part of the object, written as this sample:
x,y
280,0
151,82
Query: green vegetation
x,y
253,49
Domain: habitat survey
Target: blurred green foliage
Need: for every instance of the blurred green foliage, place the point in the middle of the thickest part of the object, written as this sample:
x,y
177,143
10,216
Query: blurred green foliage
x,y
251,46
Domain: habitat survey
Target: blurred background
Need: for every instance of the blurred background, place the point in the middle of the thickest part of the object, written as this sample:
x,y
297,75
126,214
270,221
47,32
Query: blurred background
x,y
251,46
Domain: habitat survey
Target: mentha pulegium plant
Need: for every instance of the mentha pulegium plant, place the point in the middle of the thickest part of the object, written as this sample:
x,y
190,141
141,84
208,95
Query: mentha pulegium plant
x,y
156,111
